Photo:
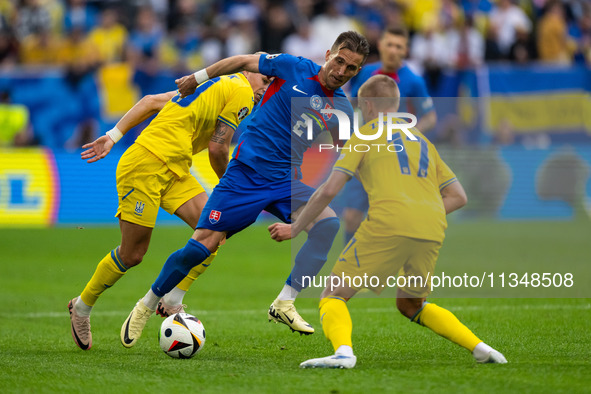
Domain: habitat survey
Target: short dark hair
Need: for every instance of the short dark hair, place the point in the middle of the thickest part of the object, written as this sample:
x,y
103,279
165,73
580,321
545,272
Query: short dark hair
x,y
352,41
396,30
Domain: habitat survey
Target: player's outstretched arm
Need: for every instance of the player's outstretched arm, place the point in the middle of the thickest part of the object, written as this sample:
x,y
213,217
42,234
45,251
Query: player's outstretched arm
x,y
142,110
229,65
219,148
314,207
454,197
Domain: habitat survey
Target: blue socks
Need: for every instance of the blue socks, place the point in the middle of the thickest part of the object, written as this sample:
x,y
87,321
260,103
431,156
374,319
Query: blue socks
x,y
178,265
314,252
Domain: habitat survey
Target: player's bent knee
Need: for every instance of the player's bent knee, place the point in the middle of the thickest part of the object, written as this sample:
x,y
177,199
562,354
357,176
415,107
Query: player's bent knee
x,y
192,254
325,228
208,238
132,258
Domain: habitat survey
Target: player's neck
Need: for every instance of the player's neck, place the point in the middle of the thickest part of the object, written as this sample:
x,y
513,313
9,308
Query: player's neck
x,y
389,70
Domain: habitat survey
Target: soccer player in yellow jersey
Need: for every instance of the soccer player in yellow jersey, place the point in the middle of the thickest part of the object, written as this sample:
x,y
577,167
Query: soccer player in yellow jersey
x,y
154,173
410,192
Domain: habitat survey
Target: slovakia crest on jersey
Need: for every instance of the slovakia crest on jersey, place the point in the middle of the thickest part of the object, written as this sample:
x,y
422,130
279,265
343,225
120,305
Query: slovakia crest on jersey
x,y
242,113
214,216
327,116
316,102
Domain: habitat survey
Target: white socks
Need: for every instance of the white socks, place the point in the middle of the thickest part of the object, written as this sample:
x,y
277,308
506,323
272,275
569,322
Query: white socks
x,y
174,297
345,350
81,308
151,300
288,293
481,351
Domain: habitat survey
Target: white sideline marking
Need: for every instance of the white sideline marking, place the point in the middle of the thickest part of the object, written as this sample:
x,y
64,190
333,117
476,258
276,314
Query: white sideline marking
x,y
549,307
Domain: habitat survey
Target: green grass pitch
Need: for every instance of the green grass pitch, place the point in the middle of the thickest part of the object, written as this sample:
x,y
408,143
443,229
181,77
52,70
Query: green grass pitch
x,y
546,340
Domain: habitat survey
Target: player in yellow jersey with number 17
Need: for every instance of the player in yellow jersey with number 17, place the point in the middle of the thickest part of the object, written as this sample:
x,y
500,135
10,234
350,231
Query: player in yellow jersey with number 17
x,y
154,173
410,191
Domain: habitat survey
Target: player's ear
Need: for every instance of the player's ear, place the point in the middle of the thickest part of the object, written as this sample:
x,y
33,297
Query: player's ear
x,y
327,55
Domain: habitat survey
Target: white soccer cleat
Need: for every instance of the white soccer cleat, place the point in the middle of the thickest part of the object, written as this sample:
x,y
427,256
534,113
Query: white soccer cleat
x,y
133,326
80,327
493,357
166,310
484,354
334,361
285,312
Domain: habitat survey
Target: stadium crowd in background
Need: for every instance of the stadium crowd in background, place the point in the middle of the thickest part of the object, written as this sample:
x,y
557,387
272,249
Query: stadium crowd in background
x,y
124,45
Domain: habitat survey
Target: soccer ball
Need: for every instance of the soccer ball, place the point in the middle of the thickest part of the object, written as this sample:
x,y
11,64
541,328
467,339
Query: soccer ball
x,y
181,335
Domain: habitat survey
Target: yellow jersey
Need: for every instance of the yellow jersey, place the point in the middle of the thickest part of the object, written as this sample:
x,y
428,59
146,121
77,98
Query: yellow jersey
x,y
403,179
185,125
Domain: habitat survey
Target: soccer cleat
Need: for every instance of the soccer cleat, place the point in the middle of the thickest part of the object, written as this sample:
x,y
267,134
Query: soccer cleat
x,y
80,327
334,361
166,310
132,328
285,312
484,354
493,357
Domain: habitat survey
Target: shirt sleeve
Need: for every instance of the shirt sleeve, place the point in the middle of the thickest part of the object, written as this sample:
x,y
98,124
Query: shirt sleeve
x,y
445,176
237,108
349,160
279,65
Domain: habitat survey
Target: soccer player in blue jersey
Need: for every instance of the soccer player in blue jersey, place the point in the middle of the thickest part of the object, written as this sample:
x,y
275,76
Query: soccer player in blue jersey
x,y
392,47
264,173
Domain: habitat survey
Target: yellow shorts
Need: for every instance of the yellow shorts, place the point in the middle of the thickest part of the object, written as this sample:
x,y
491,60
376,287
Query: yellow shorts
x,y
144,183
385,259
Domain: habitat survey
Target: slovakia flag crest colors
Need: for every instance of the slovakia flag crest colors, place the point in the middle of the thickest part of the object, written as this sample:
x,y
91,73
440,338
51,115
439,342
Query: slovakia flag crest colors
x,y
214,216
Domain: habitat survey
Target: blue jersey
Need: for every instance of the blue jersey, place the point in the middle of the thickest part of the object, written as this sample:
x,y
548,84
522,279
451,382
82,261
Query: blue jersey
x,y
276,136
411,86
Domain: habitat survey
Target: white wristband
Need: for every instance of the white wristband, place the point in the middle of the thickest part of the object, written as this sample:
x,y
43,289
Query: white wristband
x,y
201,76
115,134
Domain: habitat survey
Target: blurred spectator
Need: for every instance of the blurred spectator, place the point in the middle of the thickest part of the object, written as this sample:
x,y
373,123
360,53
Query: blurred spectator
x,y
523,49
418,14
8,49
327,26
505,19
32,17
584,44
78,54
303,43
243,35
466,45
40,49
492,52
15,129
109,37
144,42
78,14
429,52
275,27
554,45
180,50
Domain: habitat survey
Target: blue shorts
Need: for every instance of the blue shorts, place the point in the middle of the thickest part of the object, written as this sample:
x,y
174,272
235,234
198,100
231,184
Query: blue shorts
x,y
243,194
354,196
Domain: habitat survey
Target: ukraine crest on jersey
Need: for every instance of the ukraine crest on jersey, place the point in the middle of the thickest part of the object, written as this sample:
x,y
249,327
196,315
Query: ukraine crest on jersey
x,y
276,137
185,125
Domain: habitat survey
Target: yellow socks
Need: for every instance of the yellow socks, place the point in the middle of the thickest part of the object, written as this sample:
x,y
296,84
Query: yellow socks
x,y
443,322
336,321
195,273
109,270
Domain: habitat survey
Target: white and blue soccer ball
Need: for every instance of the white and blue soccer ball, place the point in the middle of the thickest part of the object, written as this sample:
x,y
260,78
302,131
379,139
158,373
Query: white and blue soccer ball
x,y
181,335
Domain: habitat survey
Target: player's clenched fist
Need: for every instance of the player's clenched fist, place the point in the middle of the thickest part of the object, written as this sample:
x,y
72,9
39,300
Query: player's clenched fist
x,y
186,85
280,231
